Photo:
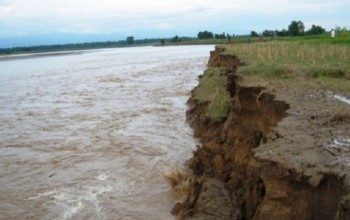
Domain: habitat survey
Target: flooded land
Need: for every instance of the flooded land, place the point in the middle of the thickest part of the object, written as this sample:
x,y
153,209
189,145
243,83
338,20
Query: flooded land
x,y
88,135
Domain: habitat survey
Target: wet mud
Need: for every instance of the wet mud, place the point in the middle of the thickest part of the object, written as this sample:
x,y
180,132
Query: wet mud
x,y
278,155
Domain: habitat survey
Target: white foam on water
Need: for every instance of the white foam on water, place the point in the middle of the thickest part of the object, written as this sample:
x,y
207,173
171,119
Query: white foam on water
x,y
102,176
48,193
340,148
73,202
341,144
76,206
344,160
342,99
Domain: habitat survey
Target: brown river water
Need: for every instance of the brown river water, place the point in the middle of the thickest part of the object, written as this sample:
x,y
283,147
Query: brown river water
x,y
88,135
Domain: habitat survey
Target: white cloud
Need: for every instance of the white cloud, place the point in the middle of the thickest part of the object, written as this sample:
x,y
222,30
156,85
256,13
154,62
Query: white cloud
x,y
138,8
106,16
6,10
84,8
163,26
275,7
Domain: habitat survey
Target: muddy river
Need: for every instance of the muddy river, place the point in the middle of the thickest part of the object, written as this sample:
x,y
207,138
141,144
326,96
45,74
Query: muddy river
x,y
87,135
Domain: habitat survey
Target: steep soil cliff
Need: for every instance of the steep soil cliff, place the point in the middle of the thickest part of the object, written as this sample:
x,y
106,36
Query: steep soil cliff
x,y
268,158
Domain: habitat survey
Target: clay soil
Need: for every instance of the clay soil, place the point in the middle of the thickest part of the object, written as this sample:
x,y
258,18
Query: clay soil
x,y
283,152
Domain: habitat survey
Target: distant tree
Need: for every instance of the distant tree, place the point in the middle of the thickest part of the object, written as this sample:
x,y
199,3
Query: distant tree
x,y
268,33
342,32
220,36
175,39
130,40
296,28
162,41
71,46
200,35
341,29
282,33
315,30
229,38
205,35
254,34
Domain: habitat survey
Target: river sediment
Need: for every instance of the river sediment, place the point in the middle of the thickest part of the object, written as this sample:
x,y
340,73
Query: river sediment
x,y
281,152
88,136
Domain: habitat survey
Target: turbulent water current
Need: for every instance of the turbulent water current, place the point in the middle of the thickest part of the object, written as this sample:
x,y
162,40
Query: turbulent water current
x,y
88,135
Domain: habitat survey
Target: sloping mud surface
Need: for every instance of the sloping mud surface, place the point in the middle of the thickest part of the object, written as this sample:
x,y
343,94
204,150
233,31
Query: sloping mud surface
x,y
282,153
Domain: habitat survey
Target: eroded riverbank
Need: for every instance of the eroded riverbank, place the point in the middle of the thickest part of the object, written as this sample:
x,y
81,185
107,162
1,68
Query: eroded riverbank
x,y
281,152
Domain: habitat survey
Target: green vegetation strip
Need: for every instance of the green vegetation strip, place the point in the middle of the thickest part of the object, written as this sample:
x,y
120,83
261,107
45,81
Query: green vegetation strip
x,y
212,90
326,63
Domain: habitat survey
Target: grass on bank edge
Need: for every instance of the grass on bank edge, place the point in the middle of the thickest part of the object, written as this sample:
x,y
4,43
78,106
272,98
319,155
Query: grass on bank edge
x,y
212,90
322,64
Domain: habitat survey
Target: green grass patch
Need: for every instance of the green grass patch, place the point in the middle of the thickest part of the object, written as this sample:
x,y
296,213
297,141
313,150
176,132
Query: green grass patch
x,y
212,90
216,41
342,37
277,59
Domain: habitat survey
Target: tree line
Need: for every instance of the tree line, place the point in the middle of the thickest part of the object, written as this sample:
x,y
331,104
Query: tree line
x,y
295,28
78,46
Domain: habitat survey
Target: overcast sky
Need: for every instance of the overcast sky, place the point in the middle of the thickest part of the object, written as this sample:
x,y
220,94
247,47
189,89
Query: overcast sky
x,y
88,20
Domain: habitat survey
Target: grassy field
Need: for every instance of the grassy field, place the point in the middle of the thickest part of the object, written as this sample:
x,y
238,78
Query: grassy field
x,y
342,37
325,63
297,63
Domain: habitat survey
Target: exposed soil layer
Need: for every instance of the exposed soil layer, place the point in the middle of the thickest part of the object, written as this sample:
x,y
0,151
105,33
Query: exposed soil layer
x,y
271,158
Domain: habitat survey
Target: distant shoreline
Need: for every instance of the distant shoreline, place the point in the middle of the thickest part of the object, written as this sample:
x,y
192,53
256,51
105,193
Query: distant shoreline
x,y
43,54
